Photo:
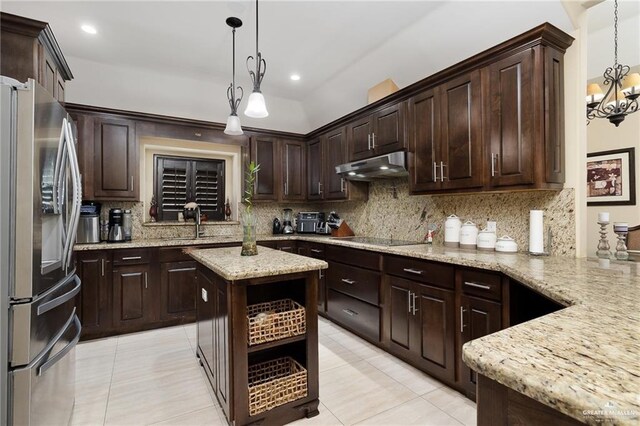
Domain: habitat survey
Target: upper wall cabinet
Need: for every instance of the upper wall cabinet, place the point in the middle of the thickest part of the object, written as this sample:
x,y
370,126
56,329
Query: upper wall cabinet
x,y
282,174
498,126
28,49
445,134
315,169
376,134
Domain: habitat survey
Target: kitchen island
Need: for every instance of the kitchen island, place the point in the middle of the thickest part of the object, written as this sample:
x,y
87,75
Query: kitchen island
x,y
257,328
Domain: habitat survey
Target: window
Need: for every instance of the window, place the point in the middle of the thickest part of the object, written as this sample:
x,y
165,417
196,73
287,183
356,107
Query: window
x,y
179,180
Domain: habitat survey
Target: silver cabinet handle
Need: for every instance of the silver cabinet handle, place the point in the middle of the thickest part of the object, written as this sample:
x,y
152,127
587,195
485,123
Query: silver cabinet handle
x,y
316,251
369,142
348,281
409,301
319,188
320,276
103,267
373,140
435,171
286,188
476,285
132,258
349,312
285,248
442,176
415,296
413,271
131,183
493,164
341,184
462,326
146,281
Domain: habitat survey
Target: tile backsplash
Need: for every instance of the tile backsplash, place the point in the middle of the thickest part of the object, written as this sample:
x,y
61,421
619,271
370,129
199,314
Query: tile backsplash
x,y
384,216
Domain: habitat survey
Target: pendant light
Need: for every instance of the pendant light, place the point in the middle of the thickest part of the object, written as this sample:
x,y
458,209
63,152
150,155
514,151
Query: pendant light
x,y
233,122
256,106
621,99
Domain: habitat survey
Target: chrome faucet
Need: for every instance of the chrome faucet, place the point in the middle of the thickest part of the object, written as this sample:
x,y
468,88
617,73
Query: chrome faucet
x,y
199,233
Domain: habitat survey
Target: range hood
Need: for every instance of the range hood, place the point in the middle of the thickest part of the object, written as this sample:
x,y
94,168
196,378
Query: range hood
x,y
382,167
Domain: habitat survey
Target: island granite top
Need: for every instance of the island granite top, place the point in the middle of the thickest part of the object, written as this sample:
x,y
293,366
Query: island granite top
x,y
230,265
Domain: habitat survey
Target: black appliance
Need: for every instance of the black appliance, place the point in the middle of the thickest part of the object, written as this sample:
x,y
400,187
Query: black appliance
x,y
308,222
277,226
116,229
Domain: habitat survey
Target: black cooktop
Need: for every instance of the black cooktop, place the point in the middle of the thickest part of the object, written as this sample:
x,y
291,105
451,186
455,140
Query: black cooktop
x,y
377,241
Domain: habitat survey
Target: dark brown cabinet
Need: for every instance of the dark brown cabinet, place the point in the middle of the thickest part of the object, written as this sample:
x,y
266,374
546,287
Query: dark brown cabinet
x,y
115,160
525,147
335,187
212,332
94,300
376,134
419,315
317,251
265,152
28,49
353,283
445,125
480,313
461,132
315,171
132,296
293,171
178,290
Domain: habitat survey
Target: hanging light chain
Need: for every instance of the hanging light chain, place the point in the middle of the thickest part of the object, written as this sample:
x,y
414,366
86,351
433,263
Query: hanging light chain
x,y
615,32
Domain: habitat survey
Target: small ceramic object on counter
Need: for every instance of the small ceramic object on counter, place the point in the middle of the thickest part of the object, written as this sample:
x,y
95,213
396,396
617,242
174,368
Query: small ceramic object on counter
x,y
506,244
468,235
487,240
452,231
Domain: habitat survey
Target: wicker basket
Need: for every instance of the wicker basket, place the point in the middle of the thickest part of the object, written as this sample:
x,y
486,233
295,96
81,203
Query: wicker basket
x,y
275,383
275,320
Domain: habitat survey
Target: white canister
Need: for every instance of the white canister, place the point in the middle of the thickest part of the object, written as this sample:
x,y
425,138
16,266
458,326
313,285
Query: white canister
x,y
452,231
468,235
486,240
506,244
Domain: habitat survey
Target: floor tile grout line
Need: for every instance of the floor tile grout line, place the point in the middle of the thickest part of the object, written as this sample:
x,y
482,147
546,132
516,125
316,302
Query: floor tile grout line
x,y
179,415
406,402
113,368
332,413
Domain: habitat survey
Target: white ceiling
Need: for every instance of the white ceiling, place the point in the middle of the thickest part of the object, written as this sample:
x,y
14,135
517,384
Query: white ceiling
x,y
340,48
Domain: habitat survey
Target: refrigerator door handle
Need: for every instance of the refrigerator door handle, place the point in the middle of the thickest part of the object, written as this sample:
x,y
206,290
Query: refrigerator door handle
x,y
58,175
58,356
77,194
51,304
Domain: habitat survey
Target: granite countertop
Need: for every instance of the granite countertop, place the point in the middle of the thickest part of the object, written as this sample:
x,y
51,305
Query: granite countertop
x,y
228,263
582,359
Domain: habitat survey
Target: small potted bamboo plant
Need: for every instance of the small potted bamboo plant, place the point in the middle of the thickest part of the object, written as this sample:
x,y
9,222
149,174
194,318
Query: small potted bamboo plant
x,y
249,245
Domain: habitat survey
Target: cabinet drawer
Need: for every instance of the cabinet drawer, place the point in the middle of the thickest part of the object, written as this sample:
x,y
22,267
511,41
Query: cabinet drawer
x,y
438,274
131,256
361,258
316,251
482,284
359,316
173,254
357,282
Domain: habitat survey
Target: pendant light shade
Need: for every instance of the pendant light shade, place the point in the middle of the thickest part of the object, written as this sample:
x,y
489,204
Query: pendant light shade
x,y
233,122
233,126
256,107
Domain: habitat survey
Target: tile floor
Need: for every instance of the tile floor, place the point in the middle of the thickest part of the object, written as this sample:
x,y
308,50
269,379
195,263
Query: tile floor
x,y
154,378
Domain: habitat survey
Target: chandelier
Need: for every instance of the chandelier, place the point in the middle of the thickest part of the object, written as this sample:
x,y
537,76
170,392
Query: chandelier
x,y
621,98
256,106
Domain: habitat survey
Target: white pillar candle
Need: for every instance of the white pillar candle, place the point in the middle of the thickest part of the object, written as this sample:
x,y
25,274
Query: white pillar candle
x,y
620,227
603,217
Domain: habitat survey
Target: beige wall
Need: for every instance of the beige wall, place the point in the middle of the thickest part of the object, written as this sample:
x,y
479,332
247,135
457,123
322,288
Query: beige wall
x,y
604,136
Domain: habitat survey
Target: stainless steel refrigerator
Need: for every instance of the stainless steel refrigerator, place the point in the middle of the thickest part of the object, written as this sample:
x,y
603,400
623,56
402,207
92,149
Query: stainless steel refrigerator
x,y
40,198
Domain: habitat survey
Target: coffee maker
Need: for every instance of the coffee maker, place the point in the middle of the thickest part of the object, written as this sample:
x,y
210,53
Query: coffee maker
x,y
116,229
287,227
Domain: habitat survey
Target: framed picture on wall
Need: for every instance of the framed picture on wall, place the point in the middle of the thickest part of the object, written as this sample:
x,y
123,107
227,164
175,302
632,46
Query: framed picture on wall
x,y
611,178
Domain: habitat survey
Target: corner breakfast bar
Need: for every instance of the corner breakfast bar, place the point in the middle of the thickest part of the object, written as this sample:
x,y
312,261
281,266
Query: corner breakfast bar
x,y
257,328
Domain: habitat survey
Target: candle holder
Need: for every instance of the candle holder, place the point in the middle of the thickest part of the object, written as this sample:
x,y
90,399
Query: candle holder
x,y
604,251
621,247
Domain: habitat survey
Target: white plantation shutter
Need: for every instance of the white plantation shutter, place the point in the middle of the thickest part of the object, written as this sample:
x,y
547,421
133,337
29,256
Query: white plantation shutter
x,y
181,180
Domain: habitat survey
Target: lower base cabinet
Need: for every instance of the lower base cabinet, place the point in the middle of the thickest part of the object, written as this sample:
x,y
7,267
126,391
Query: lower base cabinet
x,y
178,290
421,321
94,302
132,297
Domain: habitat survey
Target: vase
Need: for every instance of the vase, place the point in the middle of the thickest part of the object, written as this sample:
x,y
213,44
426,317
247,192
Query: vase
x,y
249,245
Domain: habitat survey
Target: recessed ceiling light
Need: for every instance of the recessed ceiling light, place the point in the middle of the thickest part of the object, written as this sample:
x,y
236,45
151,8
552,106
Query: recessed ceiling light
x,y
295,77
90,29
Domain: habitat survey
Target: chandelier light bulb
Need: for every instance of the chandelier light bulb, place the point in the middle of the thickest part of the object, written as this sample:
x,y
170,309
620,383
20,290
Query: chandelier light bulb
x,y
234,128
256,107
